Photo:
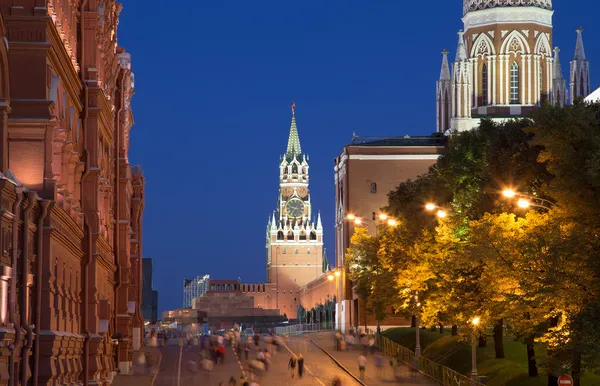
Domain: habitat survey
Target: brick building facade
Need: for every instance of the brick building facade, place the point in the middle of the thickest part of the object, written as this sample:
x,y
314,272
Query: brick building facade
x,y
71,224
365,172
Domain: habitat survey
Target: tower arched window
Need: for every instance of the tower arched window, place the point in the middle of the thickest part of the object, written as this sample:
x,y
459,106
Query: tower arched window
x,y
294,169
373,187
484,85
280,235
313,235
515,87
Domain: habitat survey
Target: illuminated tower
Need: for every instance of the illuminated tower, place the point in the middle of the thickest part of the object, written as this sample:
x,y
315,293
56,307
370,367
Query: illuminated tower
x,y
294,237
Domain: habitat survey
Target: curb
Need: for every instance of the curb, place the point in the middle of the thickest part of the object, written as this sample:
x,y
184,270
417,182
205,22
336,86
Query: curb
x,y
338,363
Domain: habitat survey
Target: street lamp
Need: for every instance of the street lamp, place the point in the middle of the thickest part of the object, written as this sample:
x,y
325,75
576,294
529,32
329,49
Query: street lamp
x,y
474,376
525,201
441,213
418,334
335,275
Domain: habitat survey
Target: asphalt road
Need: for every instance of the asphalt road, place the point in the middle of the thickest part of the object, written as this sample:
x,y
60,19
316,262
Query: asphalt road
x,y
320,370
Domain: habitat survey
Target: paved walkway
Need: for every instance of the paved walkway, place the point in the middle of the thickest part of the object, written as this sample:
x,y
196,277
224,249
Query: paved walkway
x,y
349,359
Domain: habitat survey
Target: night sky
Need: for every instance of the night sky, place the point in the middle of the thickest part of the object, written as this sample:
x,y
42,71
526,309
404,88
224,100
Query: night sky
x,y
214,83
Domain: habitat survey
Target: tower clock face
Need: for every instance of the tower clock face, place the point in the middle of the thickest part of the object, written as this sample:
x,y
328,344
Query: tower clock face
x,y
294,208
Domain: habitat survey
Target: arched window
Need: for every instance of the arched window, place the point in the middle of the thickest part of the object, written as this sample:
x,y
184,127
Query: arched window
x,y
373,187
514,84
294,169
280,235
313,235
484,85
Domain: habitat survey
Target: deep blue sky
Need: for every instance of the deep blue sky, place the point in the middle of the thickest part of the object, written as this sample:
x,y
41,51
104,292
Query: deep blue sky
x,y
214,83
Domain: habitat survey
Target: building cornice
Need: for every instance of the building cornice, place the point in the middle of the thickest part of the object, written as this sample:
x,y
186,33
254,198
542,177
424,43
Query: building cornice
x,y
394,157
508,15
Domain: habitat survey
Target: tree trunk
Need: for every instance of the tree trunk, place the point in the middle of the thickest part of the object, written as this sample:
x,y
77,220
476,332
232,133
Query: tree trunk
x,y
552,380
413,322
498,339
482,340
441,329
433,329
531,362
576,368
454,330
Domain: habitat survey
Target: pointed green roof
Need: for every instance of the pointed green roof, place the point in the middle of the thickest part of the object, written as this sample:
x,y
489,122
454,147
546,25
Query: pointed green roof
x,y
293,147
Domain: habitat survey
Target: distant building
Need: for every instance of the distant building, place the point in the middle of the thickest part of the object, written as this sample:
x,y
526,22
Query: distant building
x,y
192,288
227,302
365,172
149,296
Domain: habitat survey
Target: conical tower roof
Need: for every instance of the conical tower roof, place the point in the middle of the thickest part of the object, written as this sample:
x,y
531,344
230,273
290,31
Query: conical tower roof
x,y
293,147
579,51
445,71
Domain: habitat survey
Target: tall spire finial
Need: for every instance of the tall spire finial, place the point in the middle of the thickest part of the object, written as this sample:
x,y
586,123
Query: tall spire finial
x,y
579,51
445,71
293,147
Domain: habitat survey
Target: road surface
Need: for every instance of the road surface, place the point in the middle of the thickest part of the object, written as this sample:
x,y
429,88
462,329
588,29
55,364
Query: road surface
x,y
320,370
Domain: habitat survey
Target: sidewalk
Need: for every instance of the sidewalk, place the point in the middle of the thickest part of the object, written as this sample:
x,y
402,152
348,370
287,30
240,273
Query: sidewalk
x,y
348,359
144,375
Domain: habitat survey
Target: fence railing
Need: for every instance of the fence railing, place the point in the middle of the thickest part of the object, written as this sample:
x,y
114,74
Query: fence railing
x,y
442,374
296,329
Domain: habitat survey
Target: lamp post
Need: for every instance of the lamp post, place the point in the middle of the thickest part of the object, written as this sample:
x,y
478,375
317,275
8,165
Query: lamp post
x,y
525,201
418,327
335,275
384,219
474,376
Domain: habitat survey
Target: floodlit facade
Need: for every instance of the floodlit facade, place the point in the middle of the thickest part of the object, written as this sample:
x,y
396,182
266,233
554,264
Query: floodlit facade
x,y
505,66
294,237
70,282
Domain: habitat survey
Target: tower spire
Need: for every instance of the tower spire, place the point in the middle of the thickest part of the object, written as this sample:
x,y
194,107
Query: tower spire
x,y
559,84
579,50
445,71
461,50
580,70
293,147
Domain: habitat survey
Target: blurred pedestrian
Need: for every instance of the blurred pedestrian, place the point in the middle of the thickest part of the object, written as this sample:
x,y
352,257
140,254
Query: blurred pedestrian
x,y
300,365
292,365
362,365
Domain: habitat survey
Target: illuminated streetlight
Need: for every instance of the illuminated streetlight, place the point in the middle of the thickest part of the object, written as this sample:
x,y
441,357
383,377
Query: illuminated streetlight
x,y
357,221
442,213
351,217
430,206
383,216
523,203
337,273
330,277
392,222
509,193
474,376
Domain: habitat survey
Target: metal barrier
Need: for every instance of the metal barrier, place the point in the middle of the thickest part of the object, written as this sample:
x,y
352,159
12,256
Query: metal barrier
x,y
296,329
442,374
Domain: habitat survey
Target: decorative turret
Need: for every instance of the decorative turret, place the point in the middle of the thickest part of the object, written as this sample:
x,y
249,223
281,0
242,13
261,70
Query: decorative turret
x,y
559,83
461,87
444,98
580,70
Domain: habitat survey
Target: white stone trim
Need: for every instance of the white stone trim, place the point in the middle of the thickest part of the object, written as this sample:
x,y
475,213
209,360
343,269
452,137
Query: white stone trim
x,y
513,15
390,157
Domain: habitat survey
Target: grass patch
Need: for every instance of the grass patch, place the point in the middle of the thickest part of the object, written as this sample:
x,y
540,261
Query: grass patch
x,y
455,353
